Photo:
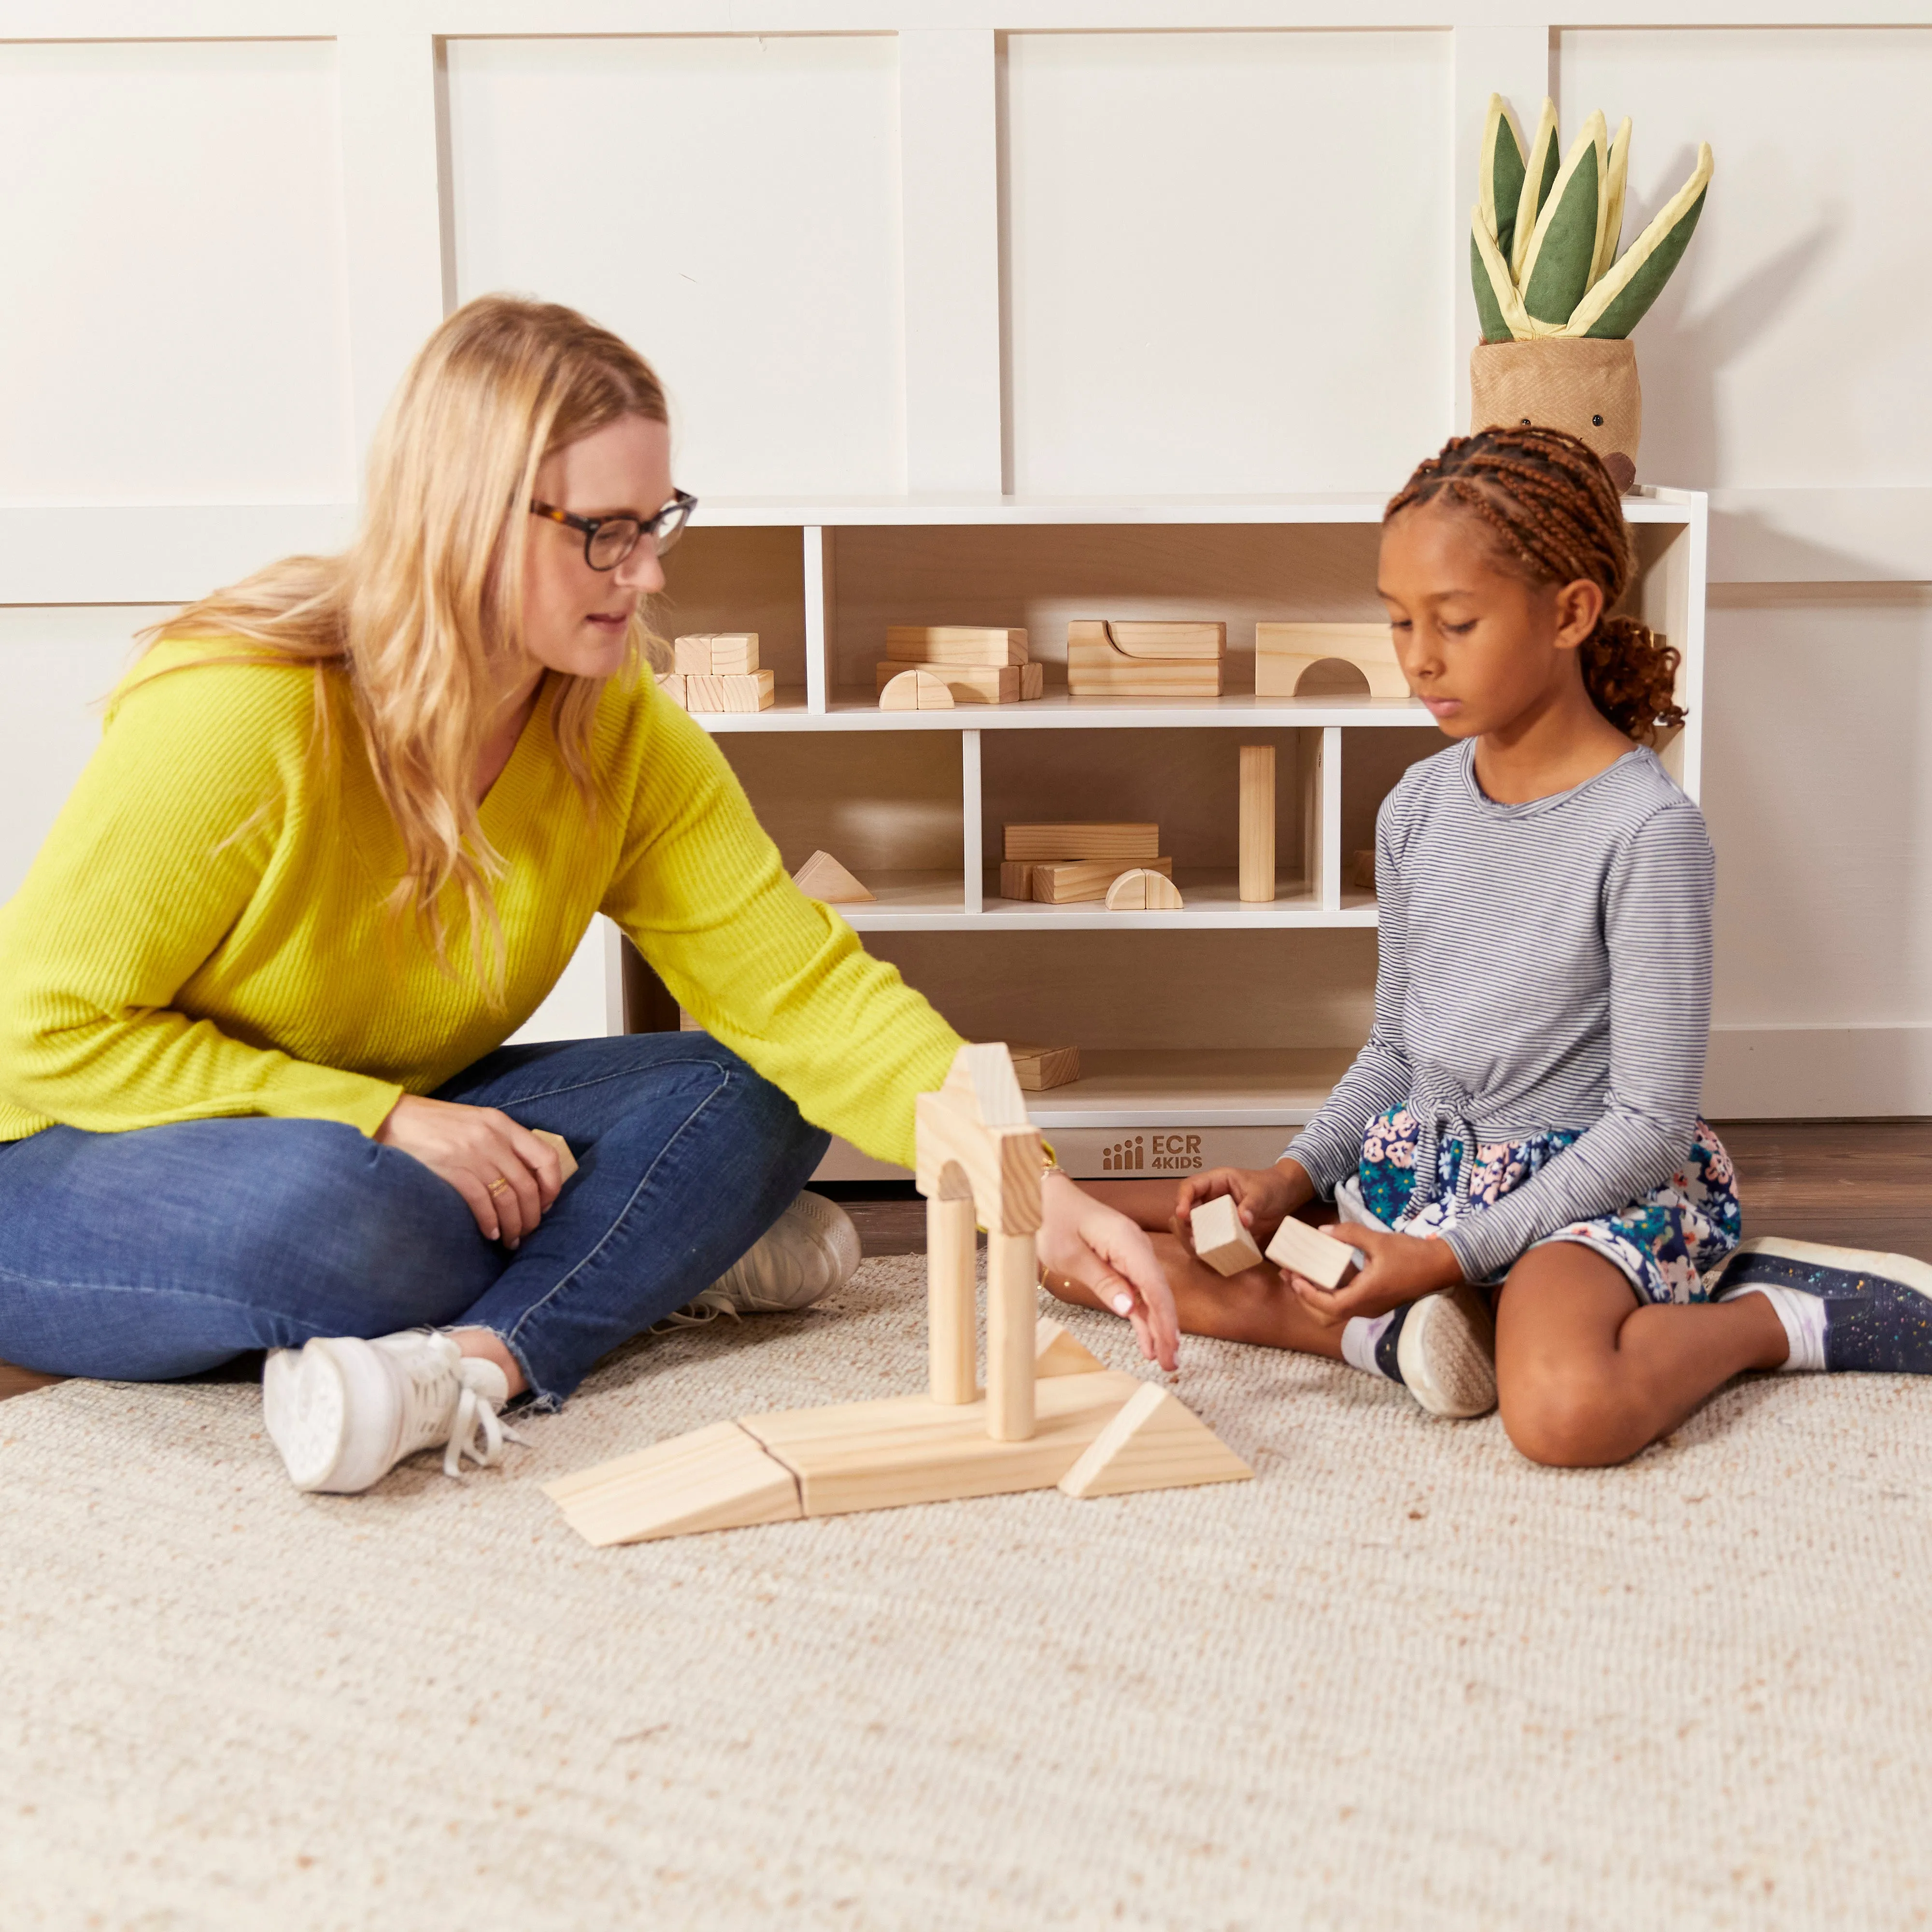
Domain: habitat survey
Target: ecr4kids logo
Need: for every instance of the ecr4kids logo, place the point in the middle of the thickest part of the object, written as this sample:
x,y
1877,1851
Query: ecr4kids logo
x,y
1170,1153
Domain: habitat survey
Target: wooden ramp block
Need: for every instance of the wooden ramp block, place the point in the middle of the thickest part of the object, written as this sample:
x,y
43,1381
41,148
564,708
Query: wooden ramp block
x,y
1307,1251
715,1478
1219,1238
1132,844
1144,889
917,690
955,644
1040,1068
565,1157
1056,1353
1156,1442
823,878
1084,879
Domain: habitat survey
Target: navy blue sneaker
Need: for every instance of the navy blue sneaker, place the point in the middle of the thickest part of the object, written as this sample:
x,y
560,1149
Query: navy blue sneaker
x,y
1877,1308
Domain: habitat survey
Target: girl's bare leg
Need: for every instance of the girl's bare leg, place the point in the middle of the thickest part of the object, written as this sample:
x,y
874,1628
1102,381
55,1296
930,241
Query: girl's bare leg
x,y
1147,1203
1587,1375
1255,1306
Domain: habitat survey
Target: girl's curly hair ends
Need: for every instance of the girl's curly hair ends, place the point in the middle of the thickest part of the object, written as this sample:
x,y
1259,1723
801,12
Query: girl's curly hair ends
x,y
1556,517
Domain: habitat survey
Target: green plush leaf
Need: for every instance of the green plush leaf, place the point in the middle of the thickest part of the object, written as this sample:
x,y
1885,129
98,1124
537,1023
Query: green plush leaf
x,y
1539,172
1502,172
1610,230
1556,272
1489,310
1497,304
1620,301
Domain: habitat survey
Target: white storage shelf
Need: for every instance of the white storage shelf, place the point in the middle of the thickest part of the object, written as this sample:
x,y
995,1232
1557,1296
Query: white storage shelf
x,y
912,802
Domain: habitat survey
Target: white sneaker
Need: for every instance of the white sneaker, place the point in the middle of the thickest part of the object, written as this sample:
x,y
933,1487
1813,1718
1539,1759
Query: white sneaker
x,y
1446,1353
343,1411
810,1249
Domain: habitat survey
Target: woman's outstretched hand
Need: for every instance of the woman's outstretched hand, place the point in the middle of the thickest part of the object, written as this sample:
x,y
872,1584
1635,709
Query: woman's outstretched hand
x,y
1264,1197
1082,1237
471,1147
1399,1268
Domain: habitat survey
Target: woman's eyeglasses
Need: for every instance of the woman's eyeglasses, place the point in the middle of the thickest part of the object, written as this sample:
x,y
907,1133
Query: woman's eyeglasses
x,y
608,541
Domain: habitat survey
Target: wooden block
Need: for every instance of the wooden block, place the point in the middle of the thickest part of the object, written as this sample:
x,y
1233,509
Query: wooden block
x,y
1219,1238
917,690
715,1478
822,877
951,1330
1307,1251
1284,654
1156,1442
1257,823
734,651
1056,1353
1200,641
971,684
566,1158
1013,1298
1132,845
910,1449
1040,1068
955,644
1097,667
1143,889
672,684
1362,873
1032,682
1084,879
730,690
973,1137
1016,879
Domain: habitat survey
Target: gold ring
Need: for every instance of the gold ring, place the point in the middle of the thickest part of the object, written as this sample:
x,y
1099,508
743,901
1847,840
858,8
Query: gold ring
x,y
497,1185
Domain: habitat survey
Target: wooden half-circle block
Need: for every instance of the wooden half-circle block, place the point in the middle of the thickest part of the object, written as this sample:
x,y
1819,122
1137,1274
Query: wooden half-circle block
x,y
822,877
1056,1353
1143,890
916,690
721,1477
1156,1442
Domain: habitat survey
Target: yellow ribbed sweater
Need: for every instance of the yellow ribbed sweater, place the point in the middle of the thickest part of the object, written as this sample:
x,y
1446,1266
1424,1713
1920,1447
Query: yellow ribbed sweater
x,y
203,933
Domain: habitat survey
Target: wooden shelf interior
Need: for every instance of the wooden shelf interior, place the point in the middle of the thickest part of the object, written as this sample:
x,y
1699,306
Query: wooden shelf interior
x,y
739,579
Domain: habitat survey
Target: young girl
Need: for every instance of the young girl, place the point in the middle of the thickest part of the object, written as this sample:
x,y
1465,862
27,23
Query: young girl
x,y
1521,1131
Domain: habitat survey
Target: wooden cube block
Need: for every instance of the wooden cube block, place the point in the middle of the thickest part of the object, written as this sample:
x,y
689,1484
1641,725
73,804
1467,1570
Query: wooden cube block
x,y
672,684
1084,879
716,653
1016,879
1132,844
730,690
1219,1238
955,644
1038,1068
1307,1251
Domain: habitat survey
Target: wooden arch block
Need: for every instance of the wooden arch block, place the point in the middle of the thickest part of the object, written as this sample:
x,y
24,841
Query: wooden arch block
x,y
1285,653
1143,889
1156,1442
822,877
917,690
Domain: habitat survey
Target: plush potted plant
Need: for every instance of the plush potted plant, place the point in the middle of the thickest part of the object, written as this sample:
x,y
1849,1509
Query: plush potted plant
x,y
1556,301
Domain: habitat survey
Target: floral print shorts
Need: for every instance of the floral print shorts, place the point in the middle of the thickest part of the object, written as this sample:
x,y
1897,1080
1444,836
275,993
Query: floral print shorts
x,y
1667,1243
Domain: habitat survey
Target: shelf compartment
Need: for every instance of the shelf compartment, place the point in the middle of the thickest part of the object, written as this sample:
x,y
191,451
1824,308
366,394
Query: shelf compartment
x,y
747,579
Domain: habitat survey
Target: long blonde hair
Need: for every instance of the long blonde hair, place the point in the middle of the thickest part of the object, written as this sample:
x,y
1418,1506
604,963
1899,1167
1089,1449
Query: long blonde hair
x,y
423,612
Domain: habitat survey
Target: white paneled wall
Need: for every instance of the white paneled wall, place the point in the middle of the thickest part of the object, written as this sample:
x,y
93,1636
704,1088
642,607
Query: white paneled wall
x,y
876,245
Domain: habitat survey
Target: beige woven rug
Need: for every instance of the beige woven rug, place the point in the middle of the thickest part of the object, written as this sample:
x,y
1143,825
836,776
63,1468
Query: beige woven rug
x,y
1403,1679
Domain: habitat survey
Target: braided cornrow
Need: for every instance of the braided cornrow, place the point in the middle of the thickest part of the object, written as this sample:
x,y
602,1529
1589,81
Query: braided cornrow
x,y
1556,518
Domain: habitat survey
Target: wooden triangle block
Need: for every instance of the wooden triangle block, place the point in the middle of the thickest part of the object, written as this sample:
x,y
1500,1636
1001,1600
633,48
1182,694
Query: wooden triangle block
x,y
822,877
564,1155
1056,1353
1156,1442
717,1478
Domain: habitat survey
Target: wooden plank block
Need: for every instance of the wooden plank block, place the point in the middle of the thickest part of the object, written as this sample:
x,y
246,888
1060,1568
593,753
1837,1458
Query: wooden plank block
x,y
1156,1442
1143,889
1086,879
566,1158
692,654
917,690
1096,668
823,878
715,1478
1257,823
1169,640
1307,1251
1219,1238
731,691
910,1449
1285,652
1056,1353
1012,1284
1038,1069
1132,845
971,684
1016,879
954,644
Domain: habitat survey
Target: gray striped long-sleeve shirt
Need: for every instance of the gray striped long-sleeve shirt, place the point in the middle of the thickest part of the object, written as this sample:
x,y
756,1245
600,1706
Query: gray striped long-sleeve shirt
x,y
1544,966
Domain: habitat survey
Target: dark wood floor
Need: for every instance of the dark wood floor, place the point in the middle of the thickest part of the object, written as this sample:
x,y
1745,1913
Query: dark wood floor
x,y
1852,1183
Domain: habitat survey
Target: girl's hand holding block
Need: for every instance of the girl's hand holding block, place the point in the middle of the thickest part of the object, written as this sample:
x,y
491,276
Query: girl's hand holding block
x,y
1219,1239
1395,1268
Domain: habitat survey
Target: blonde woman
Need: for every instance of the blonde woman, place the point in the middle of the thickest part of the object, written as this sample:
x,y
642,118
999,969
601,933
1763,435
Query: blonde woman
x,y
348,821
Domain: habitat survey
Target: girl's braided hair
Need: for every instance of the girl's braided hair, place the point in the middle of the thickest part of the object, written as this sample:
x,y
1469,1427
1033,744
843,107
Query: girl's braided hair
x,y
1556,517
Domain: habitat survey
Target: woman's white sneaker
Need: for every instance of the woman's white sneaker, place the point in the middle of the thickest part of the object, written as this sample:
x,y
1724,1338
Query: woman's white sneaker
x,y
812,1249
343,1411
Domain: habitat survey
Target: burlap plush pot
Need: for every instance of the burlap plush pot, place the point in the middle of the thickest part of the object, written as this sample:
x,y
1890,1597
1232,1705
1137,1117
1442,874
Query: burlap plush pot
x,y
1585,385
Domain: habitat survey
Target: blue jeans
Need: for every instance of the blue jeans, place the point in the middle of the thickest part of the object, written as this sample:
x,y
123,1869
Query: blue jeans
x,y
165,1251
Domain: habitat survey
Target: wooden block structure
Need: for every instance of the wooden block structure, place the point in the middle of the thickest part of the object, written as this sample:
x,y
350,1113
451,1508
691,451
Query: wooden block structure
x,y
1257,824
915,690
823,878
1219,1238
1039,1068
1285,653
977,665
1051,1415
726,692
1143,889
1109,659
1307,1251
1081,880
718,653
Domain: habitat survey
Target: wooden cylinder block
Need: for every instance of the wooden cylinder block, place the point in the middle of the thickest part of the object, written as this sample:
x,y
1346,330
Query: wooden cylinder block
x,y
1257,823
1011,1277
948,1299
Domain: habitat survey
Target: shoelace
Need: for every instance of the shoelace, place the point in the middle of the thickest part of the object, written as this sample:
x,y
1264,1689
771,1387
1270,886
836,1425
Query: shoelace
x,y
705,1306
476,1414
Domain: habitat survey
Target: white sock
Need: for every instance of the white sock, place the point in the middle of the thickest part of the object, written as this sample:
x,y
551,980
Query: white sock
x,y
1359,1337
1804,1319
